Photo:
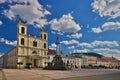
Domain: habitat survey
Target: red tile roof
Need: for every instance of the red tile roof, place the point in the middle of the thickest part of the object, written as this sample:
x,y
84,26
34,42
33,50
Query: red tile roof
x,y
109,58
51,52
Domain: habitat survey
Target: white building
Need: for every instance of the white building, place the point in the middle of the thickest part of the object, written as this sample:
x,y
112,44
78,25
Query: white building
x,y
72,62
51,54
84,61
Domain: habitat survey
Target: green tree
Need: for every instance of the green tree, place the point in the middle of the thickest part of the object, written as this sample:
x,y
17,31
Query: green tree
x,y
28,64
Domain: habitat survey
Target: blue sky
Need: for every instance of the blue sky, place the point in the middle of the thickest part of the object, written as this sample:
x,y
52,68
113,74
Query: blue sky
x,y
81,25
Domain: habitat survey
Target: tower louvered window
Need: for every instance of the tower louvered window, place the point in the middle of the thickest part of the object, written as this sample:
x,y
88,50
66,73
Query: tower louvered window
x,y
44,36
23,30
22,41
45,45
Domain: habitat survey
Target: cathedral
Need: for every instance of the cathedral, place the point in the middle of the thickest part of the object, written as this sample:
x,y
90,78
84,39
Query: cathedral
x,y
29,49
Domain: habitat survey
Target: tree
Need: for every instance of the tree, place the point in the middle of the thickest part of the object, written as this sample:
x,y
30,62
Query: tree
x,y
28,64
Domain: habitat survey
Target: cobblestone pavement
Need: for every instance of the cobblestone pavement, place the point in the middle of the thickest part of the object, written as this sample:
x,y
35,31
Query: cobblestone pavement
x,y
37,74
0,75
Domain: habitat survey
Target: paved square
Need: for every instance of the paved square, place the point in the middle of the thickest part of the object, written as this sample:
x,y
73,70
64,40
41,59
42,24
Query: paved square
x,y
37,74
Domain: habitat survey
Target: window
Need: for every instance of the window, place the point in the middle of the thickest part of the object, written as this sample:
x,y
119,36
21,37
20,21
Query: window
x,y
34,52
35,43
23,30
22,41
44,45
41,36
44,36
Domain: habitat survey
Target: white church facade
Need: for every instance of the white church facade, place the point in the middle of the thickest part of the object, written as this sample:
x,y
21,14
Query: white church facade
x,y
29,49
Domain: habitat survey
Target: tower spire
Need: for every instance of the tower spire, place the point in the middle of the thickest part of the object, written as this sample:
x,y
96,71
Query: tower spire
x,y
57,43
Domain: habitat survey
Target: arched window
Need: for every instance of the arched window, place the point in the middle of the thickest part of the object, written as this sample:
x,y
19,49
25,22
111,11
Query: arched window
x,y
22,41
44,36
45,45
34,52
35,43
23,30
41,36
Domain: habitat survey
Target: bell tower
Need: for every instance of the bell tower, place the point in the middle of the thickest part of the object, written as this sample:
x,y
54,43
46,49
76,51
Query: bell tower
x,y
22,32
43,34
44,44
44,38
22,27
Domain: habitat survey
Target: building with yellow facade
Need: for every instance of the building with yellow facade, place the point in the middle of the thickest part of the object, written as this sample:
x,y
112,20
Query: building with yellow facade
x,y
92,60
108,62
29,49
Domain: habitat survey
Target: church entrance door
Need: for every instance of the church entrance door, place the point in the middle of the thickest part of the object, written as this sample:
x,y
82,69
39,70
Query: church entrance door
x,y
35,63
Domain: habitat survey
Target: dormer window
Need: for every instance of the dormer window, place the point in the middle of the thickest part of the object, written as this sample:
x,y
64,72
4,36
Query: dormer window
x,y
23,30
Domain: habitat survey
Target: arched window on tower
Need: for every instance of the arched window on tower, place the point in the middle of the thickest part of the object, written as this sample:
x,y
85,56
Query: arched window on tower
x,y
23,30
45,45
22,41
41,36
44,36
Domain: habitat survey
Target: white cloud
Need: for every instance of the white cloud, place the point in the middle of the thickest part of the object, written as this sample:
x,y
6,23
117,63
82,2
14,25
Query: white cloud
x,y
76,35
13,43
97,30
109,8
107,26
109,52
1,22
53,46
105,43
65,24
80,51
111,26
2,1
53,32
31,11
1,54
49,6
99,44
69,42
71,47
60,33
87,45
